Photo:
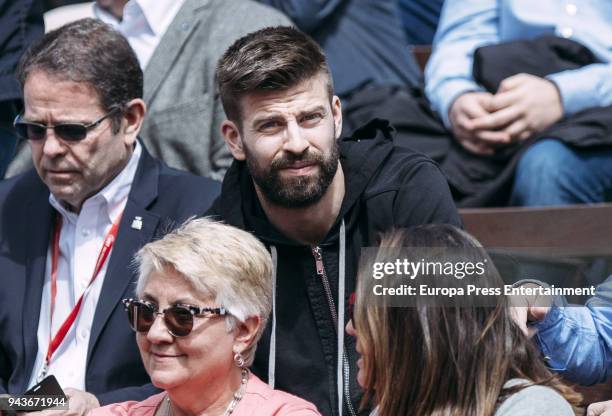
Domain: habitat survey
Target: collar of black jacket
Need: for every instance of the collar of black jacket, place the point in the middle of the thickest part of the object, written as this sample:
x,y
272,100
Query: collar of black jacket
x,y
361,156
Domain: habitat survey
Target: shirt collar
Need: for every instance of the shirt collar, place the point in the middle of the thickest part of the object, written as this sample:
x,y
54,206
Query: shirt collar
x,y
157,14
104,16
113,195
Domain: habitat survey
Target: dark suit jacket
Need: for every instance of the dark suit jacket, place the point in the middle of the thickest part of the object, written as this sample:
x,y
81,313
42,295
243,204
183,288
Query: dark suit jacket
x,y
161,196
21,23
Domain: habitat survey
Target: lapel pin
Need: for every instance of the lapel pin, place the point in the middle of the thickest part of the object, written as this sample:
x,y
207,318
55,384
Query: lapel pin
x,y
137,223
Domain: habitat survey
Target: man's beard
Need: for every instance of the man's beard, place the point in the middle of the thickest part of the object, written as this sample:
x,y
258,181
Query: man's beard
x,y
295,191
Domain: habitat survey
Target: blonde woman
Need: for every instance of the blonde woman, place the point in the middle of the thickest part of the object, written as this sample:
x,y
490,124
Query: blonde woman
x,y
203,297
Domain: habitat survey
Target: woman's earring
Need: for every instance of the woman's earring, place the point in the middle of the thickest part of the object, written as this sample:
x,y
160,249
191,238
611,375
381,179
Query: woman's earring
x,y
239,360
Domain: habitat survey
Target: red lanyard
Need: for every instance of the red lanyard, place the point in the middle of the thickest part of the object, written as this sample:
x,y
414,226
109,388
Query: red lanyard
x,y
107,246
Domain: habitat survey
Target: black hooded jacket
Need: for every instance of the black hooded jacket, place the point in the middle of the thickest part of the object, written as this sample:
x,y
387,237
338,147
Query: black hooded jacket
x,y
386,187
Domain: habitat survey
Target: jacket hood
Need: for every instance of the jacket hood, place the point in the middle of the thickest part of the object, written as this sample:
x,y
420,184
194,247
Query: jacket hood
x,y
361,156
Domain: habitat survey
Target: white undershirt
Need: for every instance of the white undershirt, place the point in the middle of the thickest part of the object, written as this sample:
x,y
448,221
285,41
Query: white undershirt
x,y
81,239
144,24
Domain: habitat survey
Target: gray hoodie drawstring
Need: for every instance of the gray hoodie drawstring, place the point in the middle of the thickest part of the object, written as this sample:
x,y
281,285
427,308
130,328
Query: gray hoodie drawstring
x,y
272,358
340,329
340,332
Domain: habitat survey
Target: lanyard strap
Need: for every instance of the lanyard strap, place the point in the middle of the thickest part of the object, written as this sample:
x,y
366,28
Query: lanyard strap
x,y
107,246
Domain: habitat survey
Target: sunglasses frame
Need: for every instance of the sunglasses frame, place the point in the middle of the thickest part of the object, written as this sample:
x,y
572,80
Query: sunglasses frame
x,y
193,310
87,127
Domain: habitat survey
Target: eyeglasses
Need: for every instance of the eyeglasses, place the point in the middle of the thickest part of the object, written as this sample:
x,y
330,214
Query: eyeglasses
x,y
71,132
178,318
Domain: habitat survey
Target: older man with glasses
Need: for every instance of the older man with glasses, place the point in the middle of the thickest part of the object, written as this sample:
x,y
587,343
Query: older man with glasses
x,y
69,228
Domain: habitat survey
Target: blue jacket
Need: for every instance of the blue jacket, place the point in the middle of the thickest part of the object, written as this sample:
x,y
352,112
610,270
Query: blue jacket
x,y
578,339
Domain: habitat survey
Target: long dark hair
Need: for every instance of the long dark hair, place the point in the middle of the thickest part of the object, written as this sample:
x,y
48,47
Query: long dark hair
x,y
451,360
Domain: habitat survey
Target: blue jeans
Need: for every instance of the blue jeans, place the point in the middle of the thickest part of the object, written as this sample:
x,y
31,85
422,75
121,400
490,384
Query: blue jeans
x,y
552,173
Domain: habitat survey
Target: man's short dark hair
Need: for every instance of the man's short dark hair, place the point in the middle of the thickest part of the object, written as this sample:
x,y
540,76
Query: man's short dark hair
x,y
270,59
92,52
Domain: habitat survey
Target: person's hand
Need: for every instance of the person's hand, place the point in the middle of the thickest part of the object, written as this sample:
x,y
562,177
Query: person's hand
x,y
522,315
523,105
527,309
463,114
79,403
600,409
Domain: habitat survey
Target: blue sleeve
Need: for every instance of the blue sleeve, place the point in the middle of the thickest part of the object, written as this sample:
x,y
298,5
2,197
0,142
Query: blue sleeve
x,y
577,340
308,15
589,86
464,26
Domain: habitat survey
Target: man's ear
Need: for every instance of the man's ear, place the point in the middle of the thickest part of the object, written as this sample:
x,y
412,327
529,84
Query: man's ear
x,y
246,332
132,120
232,138
337,114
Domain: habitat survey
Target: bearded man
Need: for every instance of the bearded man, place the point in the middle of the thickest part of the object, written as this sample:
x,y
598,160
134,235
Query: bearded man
x,y
315,202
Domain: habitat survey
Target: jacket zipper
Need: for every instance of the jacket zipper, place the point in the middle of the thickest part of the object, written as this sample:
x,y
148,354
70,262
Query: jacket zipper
x,y
318,256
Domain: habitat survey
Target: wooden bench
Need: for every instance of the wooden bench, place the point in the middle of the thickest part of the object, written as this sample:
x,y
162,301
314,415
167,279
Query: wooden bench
x,y
580,229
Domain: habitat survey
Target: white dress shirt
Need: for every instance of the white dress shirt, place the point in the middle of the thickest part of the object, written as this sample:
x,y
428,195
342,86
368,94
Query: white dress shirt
x,y
144,23
81,239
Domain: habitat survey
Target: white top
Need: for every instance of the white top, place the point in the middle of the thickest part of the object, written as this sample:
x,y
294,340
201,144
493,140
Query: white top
x,y
144,24
59,16
530,401
533,401
81,239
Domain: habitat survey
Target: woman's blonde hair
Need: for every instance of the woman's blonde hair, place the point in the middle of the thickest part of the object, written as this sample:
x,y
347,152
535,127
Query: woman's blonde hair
x,y
220,261
443,360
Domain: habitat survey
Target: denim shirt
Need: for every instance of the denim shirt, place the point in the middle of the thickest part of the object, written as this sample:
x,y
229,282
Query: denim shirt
x,y
577,340
466,25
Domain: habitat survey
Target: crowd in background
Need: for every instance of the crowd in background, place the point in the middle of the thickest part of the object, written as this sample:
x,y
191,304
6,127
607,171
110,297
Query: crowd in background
x,y
534,106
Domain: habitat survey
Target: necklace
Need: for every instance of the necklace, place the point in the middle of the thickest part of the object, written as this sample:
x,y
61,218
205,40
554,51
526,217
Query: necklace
x,y
238,393
166,408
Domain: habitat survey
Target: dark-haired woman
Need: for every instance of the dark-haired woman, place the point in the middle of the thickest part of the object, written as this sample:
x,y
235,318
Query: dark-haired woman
x,y
454,360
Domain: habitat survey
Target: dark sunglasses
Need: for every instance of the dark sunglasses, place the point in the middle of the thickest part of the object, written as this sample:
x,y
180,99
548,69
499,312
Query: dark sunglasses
x,y
351,307
71,132
178,318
